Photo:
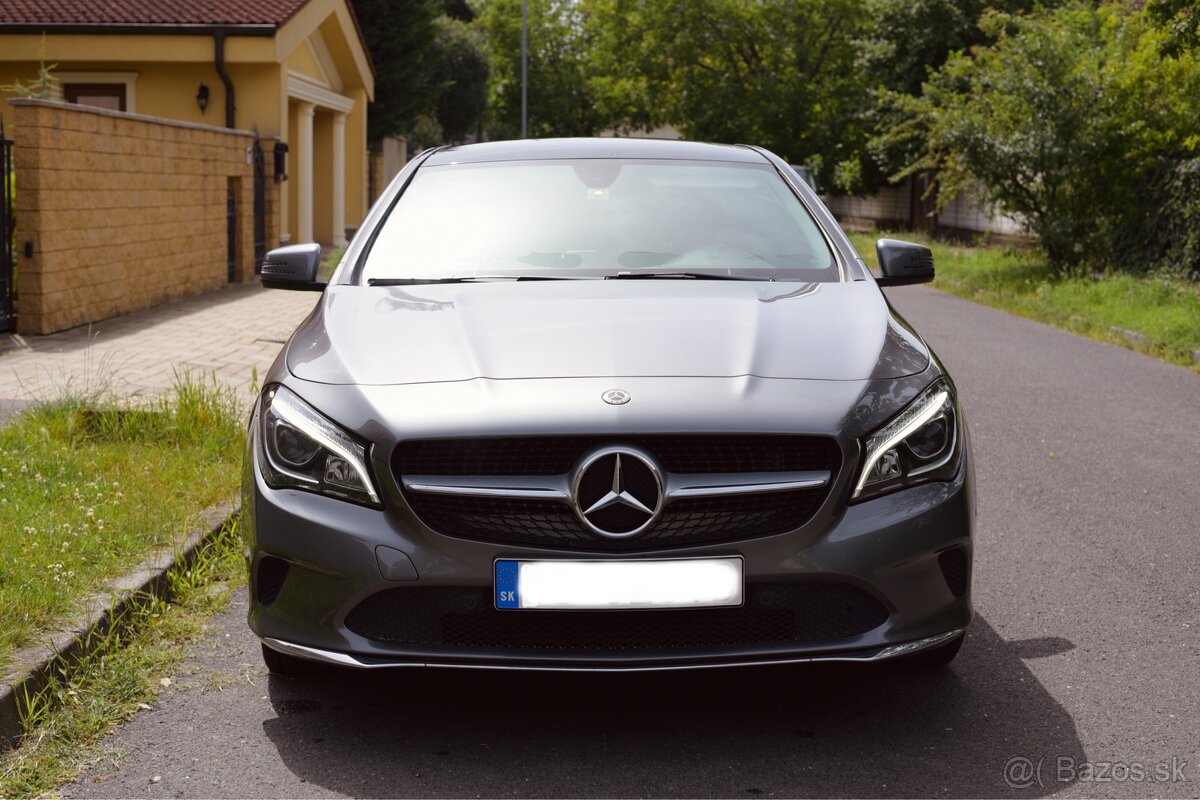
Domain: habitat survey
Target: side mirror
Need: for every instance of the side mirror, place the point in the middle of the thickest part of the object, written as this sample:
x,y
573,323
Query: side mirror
x,y
903,263
293,267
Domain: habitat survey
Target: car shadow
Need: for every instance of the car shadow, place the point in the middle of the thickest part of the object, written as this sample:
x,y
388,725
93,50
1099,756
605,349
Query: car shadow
x,y
984,727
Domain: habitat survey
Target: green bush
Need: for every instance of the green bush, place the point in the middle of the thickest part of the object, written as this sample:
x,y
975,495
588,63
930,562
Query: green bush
x,y
1068,121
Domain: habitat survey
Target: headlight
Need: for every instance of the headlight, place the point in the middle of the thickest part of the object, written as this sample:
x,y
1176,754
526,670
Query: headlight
x,y
303,450
922,443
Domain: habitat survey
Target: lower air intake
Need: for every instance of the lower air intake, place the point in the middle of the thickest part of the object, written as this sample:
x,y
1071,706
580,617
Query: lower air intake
x,y
269,578
955,569
464,617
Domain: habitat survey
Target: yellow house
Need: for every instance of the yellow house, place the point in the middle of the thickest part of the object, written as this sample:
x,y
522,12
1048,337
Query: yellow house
x,y
294,71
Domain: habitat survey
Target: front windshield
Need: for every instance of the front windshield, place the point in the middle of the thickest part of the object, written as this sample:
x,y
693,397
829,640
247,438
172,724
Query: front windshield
x,y
598,218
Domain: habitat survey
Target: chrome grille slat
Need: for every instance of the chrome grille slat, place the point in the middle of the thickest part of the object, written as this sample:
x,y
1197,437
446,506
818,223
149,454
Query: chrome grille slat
x,y
782,482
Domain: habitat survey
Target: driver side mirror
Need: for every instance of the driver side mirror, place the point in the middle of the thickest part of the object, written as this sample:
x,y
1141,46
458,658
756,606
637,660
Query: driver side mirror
x,y
293,267
903,263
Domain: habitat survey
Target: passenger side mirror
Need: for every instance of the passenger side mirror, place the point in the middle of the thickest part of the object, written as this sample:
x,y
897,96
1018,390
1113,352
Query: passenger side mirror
x,y
293,267
903,263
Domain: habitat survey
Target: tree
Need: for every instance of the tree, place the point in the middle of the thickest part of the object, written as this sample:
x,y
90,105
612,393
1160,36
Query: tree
x,y
400,36
1065,121
559,97
1181,21
461,74
903,44
779,73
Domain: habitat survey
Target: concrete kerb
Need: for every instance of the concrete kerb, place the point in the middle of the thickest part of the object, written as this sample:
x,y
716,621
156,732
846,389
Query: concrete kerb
x,y
33,667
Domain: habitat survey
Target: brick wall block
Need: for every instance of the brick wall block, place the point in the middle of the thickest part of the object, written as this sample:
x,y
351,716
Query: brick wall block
x,y
124,213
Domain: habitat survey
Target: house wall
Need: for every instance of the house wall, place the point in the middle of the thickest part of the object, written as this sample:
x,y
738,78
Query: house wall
x,y
123,211
169,68
169,90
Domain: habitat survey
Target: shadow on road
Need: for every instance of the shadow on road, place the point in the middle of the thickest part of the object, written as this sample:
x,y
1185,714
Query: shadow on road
x,y
795,731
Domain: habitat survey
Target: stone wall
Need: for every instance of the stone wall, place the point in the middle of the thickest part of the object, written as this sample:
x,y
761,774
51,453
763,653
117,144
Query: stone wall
x,y
123,212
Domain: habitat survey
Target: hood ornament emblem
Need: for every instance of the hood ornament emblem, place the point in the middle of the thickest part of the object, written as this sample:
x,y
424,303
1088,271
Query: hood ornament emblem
x,y
616,397
617,492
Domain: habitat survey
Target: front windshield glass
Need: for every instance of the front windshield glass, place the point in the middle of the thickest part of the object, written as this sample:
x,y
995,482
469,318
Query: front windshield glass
x,y
594,218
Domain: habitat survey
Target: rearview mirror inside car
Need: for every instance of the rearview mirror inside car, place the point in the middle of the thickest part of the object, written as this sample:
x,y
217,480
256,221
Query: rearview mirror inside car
x,y
903,263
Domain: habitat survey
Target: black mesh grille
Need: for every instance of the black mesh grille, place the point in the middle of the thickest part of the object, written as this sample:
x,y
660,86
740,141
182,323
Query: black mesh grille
x,y
272,572
774,613
546,523
555,455
955,570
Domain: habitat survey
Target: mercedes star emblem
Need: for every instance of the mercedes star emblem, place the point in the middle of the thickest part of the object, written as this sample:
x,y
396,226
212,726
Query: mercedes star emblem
x,y
618,492
616,397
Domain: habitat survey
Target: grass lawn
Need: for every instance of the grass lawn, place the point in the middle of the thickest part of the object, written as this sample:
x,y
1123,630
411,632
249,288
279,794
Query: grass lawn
x,y
128,667
1166,311
88,489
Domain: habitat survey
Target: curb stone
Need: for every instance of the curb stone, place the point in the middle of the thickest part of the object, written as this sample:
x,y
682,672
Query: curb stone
x,y
62,650
1132,336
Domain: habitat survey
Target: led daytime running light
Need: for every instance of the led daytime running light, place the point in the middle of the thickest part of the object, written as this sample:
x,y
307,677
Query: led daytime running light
x,y
300,416
911,420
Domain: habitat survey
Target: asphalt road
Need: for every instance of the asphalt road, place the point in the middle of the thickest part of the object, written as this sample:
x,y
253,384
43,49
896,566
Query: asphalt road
x,y
1085,650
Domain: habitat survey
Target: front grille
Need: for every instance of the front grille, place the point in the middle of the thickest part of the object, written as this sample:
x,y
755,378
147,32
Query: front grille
x,y
955,569
546,523
555,455
464,617
268,581
549,523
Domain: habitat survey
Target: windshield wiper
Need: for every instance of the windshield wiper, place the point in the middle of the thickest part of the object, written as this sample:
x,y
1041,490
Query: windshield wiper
x,y
473,279
700,276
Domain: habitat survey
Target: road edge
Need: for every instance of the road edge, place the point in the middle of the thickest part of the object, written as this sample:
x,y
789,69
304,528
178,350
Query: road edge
x,y
64,649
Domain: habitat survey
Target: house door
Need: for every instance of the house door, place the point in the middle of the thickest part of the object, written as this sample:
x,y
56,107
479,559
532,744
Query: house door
x,y
8,252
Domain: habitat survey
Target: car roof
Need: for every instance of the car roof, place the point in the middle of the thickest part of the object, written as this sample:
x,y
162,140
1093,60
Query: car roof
x,y
537,149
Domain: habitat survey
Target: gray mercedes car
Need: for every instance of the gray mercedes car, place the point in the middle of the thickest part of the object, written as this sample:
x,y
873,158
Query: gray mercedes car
x,y
602,404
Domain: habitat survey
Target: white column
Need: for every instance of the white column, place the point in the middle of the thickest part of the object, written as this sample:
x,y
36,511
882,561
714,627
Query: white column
x,y
303,172
339,180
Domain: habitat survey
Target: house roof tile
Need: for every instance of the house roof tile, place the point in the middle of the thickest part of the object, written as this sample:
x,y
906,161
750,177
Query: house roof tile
x,y
149,12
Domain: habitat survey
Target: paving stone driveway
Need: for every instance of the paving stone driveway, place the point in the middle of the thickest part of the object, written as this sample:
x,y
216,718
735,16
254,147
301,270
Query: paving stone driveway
x,y
229,334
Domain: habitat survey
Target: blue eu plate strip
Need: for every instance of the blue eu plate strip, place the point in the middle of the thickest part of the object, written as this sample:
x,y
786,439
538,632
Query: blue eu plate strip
x,y
506,585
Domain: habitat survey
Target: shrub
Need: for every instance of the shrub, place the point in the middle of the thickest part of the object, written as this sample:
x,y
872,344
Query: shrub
x,y
1067,121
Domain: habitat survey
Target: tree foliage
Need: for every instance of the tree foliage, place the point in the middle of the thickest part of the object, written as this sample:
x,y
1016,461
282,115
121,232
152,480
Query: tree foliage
x,y
400,37
460,71
1180,20
559,45
779,73
1064,121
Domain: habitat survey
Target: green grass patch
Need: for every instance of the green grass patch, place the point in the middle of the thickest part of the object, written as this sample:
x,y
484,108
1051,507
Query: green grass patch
x,y
1163,309
88,488
66,723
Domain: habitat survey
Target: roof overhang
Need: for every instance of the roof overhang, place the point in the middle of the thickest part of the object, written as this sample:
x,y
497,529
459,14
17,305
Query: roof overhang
x,y
156,29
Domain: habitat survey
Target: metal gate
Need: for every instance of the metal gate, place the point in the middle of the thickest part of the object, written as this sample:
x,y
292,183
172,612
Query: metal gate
x,y
8,253
260,207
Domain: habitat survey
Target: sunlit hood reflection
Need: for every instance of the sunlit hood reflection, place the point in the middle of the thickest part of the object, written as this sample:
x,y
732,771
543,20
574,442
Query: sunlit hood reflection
x,y
434,333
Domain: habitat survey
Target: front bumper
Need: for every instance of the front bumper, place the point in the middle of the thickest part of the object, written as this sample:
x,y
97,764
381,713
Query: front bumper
x,y
889,547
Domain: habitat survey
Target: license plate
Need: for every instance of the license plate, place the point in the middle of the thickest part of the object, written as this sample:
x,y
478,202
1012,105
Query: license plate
x,y
682,583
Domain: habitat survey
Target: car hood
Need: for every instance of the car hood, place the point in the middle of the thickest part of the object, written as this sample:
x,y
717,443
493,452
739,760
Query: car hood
x,y
578,329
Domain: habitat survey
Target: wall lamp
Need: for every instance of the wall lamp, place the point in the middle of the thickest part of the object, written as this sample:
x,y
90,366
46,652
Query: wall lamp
x,y
202,97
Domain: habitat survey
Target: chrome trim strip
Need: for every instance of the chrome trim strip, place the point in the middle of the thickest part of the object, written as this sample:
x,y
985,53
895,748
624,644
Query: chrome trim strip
x,y
555,487
520,486
743,483
348,660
